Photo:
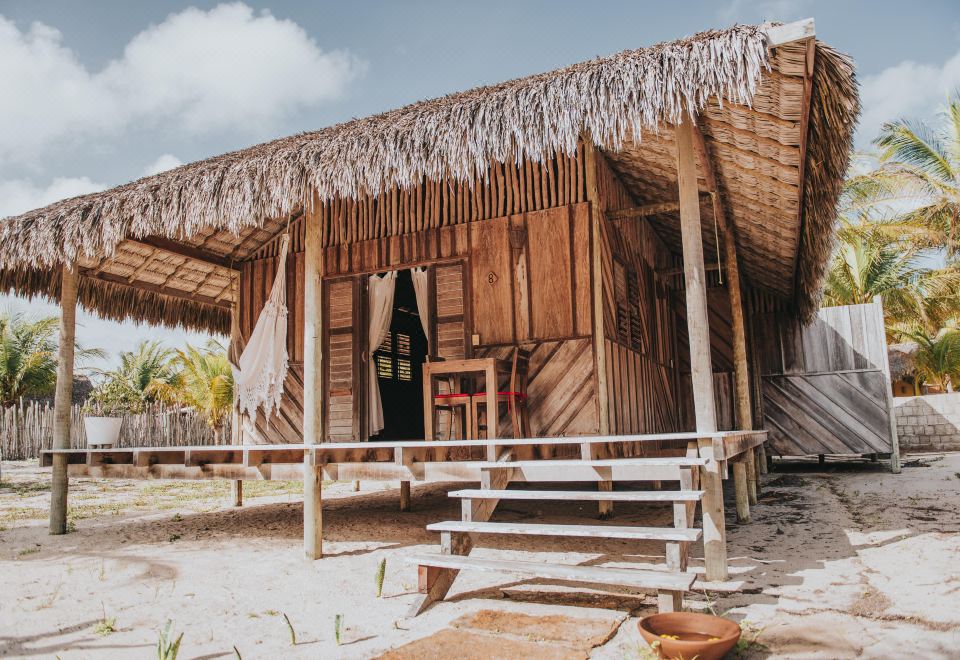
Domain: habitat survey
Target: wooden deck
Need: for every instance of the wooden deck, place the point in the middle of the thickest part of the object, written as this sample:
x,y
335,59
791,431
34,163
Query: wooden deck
x,y
422,461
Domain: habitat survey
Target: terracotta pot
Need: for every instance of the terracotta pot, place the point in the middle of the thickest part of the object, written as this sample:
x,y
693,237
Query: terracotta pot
x,y
700,636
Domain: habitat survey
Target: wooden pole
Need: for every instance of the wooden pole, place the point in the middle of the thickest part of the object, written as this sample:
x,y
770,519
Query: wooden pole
x,y
604,508
741,371
63,397
701,369
236,489
313,431
750,462
740,491
895,465
236,492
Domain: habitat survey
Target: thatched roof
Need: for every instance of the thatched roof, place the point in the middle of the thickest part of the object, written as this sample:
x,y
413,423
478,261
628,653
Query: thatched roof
x,y
902,358
780,181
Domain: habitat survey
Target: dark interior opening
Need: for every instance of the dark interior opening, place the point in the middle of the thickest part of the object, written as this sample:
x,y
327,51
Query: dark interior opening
x,y
399,361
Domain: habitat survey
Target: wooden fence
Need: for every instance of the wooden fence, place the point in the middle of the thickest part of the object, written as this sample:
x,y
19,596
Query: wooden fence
x,y
27,427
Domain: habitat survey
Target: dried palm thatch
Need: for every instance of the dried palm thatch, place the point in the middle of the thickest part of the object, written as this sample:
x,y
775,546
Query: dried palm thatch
x,y
903,361
614,99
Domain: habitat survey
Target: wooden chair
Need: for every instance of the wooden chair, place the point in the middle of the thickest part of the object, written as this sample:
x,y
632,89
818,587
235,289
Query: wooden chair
x,y
515,398
456,403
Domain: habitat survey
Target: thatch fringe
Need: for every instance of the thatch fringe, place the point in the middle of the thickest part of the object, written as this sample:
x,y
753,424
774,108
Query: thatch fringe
x,y
835,108
118,302
453,137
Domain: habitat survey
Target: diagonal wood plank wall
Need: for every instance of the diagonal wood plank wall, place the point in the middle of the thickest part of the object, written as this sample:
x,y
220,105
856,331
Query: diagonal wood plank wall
x,y
825,388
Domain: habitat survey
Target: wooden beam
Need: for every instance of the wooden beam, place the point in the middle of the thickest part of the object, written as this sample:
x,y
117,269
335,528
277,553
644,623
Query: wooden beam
x,y
701,370
185,250
668,272
637,212
778,35
313,431
63,398
155,288
741,369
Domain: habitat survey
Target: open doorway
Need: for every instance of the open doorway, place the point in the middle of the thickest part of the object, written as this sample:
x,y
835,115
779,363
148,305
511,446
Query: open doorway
x,y
399,361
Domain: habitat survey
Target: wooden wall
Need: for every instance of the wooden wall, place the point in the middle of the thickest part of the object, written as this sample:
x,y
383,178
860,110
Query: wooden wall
x,y
510,265
639,320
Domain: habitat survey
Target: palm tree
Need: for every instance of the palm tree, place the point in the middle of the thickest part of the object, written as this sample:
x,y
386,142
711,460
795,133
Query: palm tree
x,y
921,164
937,359
150,362
870,261
204,381
28,356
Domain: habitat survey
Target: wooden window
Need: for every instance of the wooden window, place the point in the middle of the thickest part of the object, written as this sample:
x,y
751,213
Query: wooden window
x,y
626,295
393,358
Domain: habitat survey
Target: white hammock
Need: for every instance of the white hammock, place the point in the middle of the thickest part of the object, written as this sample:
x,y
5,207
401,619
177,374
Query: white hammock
x,y
259,373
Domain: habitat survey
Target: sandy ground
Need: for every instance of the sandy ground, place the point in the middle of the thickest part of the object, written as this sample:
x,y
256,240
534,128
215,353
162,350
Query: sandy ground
x,y
848,561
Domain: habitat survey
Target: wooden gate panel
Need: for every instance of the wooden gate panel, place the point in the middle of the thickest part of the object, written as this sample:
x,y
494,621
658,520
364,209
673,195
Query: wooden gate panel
x,y
826,388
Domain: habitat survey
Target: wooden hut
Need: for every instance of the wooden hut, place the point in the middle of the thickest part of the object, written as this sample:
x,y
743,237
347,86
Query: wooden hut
x,y
621,220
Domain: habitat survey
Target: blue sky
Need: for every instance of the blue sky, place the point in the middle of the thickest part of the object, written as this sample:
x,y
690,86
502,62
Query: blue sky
x,y
100,93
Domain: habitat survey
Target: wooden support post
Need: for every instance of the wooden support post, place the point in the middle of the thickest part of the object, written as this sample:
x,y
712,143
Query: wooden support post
x,y
604,508
313,431
404,495
236,486
741,371
236,419
757,486
740,489
895,464
701,370
63,397
751,466
762,459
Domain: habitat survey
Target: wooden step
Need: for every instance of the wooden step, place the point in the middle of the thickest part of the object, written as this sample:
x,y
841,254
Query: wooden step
x,y
587,531
625,577
582,495
615,469
675,461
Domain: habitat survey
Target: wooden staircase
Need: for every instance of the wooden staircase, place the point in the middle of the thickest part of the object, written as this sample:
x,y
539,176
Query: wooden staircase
x,y
437,571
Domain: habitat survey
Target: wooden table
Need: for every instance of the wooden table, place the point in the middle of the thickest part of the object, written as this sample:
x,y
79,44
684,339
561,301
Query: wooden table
x,y
490,368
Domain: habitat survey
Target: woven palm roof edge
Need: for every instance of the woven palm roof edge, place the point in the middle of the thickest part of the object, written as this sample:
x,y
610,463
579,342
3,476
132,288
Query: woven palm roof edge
x,y
451,137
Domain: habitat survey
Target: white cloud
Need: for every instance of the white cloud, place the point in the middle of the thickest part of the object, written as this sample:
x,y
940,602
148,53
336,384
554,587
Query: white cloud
x,y
162,164
225,68
909,89
19,195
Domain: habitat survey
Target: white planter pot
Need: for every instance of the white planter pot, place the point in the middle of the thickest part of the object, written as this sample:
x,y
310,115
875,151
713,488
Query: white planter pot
x,y
102,430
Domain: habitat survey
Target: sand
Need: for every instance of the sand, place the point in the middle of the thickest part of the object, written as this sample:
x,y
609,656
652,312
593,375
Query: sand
x,y
848,561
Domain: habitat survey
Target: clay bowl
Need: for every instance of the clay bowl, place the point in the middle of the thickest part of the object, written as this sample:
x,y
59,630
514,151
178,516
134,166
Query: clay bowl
x,y
701,636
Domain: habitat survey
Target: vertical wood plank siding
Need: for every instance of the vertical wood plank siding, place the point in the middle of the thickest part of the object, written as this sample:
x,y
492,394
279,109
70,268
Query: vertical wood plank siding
x,y
642,378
